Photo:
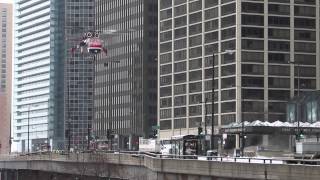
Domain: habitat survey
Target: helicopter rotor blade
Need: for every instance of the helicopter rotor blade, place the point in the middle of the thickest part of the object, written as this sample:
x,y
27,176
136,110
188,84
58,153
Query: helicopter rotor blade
x,y
115,31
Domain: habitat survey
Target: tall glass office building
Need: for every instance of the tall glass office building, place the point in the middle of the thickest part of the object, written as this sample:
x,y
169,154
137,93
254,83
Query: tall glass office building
x,y
79,74
253,83
37,117
125,92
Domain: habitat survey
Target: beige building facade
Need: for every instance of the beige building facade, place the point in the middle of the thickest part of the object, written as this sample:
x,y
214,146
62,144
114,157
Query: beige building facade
x,y
5,75
275,56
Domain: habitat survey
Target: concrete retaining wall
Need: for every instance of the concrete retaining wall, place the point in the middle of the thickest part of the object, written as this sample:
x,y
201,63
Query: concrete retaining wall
x,y
141,167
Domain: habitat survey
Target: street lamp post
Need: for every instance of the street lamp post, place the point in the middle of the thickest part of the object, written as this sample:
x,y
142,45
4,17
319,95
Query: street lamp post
x,y
28,145
89,137
109,130
242,131
69,135
297,102
28,128
212,98
205,122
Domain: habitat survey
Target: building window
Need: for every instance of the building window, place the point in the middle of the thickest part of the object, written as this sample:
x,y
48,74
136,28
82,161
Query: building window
x,y
312,110
165,80
277,70
195,98
252,20
211,13
165,102
180,44
304,35
180,89
211,25
228,95
180,55
165,113
279,21
227,82
195,110
180,123
181,66
165,14
226,119
195,122
304,47
228,33
279,58
252,82
279,46
210,3
252,7
253,94
181,32
180,21
304,11
195,6
252,44
253,69
252,32
252,106
195,40
279,9
177,2
180,78
228,21
252,57
165,58
179,100
165,4
227,107
195,75
180,112
180,10
165,91
282,95
165,25
195,29
304,23
194,18
279,82
195,87
195,64
228,9
166,36
165,125
165,47
166,69
279,33
228,70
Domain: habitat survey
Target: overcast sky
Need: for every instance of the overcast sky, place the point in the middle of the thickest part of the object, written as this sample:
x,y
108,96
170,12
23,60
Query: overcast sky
x,y
6,1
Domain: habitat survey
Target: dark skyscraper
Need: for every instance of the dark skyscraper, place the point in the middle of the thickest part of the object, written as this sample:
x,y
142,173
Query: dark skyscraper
x,y
79,74
125,92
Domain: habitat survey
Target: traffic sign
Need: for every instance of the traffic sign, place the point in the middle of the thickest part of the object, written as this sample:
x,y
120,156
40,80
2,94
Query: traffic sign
x,y
155,127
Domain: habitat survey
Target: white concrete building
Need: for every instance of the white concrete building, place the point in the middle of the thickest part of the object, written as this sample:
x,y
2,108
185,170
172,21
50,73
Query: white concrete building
x,y
36,74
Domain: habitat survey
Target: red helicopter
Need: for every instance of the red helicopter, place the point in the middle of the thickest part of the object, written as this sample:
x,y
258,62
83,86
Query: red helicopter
x,y
92,42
